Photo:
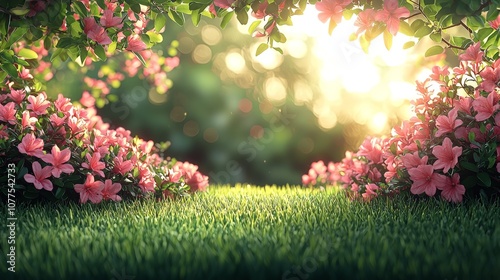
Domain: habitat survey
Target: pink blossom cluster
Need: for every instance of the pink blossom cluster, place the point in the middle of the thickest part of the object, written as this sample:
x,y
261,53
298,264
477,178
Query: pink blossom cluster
x,y
114,20
449,147
390,14
70,151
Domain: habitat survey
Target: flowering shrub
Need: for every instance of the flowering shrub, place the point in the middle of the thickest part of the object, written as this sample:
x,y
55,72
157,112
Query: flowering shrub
x,y
61,151
449,147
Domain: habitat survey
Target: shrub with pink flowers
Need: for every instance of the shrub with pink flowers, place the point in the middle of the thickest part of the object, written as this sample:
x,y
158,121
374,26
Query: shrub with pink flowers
x,y
449,148
59,151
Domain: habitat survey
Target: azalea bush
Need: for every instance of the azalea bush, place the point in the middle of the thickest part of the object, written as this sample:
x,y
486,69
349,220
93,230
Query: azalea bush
x,y
448,148
58,151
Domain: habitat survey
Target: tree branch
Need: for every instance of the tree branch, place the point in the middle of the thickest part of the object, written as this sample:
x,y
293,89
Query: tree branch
x,y
451,46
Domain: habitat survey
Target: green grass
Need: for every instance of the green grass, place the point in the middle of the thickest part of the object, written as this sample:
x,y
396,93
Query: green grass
x,y
258,233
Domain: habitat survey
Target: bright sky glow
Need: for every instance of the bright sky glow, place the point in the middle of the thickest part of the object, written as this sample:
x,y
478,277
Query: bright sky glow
x,y
377,90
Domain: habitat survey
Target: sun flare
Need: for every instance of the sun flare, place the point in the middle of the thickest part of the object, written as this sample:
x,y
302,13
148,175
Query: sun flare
x,y
347,77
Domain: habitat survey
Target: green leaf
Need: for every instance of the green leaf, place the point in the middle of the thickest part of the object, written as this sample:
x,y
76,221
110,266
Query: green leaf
x,y
154,37
65,43
365,44
331,26
348,13
242,16
417,24
253,26
177,17
60,193
261,48
28,54
475,21
423,31
472,137
80,9
226,19
436,37
278,50
56,54
16,35
387,39
112,47
193,6
484,178
196,17
141,59
10,69
469,166
408,45
492,13
160,22
100,52
405,28
483,33
435,50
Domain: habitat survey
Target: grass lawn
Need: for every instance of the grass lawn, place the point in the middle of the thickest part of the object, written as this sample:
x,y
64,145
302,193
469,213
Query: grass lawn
x,y
257,233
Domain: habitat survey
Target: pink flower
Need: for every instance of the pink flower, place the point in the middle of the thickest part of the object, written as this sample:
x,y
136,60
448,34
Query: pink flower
x,y
58,160
63,104
364,20
473,53
28,120
224,4
8,113
372,149
90,190
17,95
94,164
331,9
413,160
110,190
87,100
485,107
197,182
319,167
425,180
174,176
172,62
39,179
135,44
495,23
109,20
370,192
391,15
95,32
452,190
121,166
491,76
56,120
38,104
31,146
447,124
447,156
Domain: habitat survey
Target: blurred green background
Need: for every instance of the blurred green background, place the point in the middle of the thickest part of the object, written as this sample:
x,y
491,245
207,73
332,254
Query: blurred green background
x,y
263,120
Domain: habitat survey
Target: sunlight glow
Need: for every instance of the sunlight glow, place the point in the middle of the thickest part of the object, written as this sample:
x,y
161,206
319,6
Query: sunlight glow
x,y
202,54
275,89
366,88
269,59
211,35
378,122
235,62
360,77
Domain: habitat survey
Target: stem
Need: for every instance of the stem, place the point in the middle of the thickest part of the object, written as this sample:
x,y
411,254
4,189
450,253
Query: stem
x,y
450,45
